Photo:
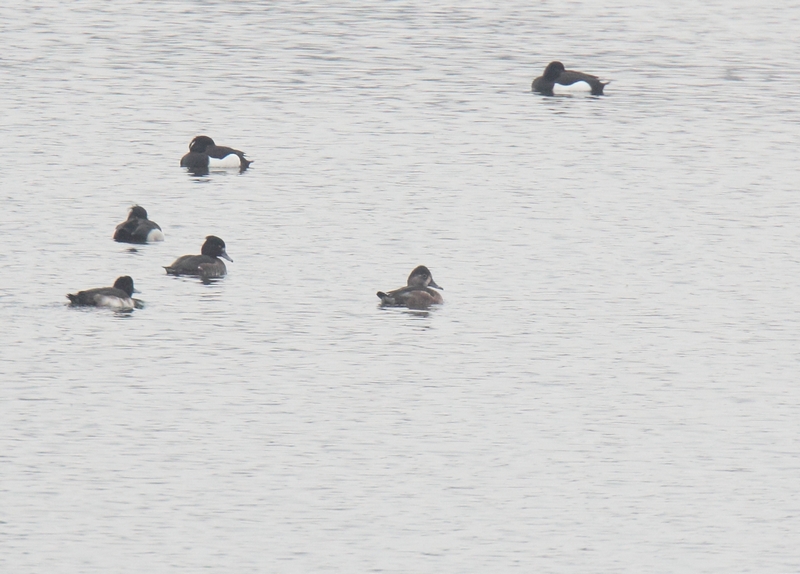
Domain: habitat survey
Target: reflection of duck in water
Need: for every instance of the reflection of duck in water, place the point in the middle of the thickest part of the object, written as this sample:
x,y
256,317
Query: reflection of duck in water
x,y
206,265
417,294
204,154
555,73
119,297
137,228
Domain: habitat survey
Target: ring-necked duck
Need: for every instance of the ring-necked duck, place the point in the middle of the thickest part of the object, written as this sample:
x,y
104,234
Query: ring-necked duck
x,y
137,228
119,297
555,73
416,294
206,265
204,154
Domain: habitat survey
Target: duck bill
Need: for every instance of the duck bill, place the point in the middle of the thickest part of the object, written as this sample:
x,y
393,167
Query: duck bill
x,y
434,285
226,256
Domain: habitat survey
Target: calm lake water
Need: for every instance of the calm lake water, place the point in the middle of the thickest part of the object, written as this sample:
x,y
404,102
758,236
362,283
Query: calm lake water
x,y
610,386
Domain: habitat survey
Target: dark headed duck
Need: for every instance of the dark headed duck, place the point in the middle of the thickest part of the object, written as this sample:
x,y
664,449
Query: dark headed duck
x,y
417,294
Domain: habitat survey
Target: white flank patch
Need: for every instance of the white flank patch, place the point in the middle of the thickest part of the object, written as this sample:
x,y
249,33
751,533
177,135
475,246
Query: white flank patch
x,y
571,89
230,160
115,302
155,235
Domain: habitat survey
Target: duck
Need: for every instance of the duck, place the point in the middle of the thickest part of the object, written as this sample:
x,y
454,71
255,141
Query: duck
x,y
417,294
137,228
118,297
207,265
555,73
204,154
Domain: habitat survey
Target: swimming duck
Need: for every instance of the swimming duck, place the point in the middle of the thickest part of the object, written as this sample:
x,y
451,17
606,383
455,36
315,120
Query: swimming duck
x,y
204,153
555,73
416,294
137,228
119,297
206,265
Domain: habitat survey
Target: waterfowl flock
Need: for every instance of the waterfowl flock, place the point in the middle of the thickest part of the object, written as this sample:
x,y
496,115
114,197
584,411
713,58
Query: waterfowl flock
x,y
420,291
139,229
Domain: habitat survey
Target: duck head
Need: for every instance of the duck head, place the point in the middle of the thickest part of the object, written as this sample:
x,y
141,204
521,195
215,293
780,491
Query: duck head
x,y
421,277
215,247
200,144
553,71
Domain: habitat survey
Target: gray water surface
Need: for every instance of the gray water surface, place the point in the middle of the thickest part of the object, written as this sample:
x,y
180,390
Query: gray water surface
x,y
610,386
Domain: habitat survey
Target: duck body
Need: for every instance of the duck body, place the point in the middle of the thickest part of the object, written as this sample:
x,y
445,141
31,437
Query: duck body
x,y
137,228
417,294
118,297
556,75
206,265
204,154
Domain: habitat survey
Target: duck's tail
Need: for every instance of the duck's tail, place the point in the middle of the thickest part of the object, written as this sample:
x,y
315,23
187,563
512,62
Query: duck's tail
x,y
244,163
597,87
386,299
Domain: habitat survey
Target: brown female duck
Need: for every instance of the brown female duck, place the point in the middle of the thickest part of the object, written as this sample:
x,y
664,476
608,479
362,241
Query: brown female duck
x,y
417,294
